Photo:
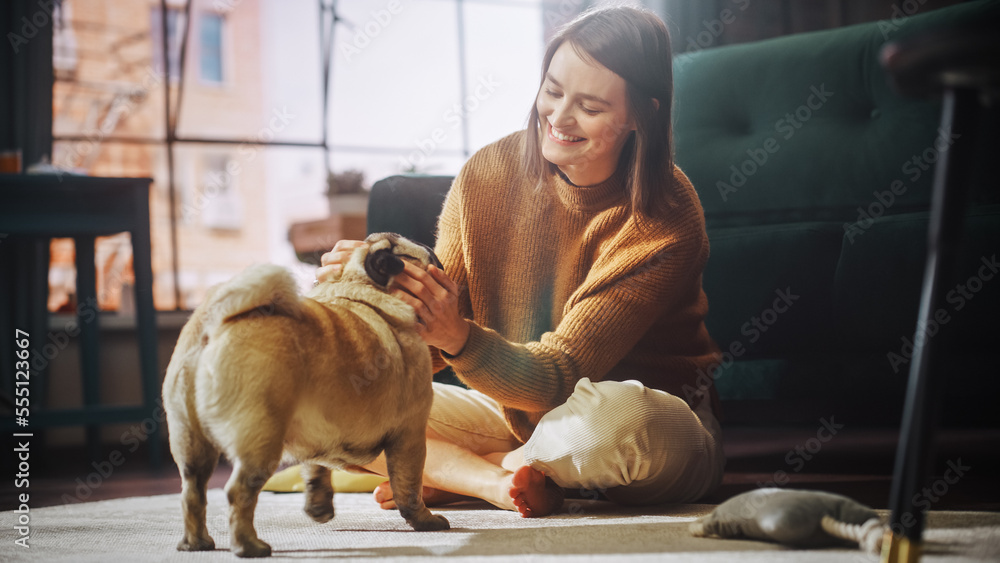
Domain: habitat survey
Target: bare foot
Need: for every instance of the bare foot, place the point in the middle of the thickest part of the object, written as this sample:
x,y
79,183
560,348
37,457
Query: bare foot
x,y
432,497
533,494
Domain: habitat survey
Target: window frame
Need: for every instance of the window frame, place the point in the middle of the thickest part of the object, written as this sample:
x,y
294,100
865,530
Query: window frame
x,y
174,40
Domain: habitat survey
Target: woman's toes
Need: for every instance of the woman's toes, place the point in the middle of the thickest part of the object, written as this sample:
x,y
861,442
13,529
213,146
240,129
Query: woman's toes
x,y
533,494
383,496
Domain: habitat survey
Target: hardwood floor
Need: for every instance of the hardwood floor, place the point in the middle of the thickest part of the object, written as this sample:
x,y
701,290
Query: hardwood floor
x,y
859,464
856,463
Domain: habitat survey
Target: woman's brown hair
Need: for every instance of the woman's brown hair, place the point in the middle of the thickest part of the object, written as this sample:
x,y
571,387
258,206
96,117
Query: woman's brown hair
x,y
635,45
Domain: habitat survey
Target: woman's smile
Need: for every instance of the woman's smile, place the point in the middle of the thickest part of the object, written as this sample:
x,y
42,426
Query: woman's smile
x,y
563,138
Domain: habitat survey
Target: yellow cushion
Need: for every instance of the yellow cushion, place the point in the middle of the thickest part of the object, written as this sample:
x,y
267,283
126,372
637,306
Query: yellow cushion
x,y
289,480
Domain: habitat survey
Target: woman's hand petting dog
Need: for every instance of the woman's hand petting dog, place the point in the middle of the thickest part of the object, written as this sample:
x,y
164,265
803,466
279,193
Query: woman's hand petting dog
x,y
434,296
332,263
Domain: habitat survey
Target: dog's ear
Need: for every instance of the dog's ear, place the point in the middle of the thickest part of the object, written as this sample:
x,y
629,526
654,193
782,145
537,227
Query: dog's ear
x,y
381,265
430,251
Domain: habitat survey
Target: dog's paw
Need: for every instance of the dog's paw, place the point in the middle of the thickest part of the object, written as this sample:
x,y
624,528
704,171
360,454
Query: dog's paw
x,y
252,548
430,523
320,513
199,544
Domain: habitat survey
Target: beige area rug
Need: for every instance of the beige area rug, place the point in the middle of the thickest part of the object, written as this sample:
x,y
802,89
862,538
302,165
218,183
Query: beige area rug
x,y
148,529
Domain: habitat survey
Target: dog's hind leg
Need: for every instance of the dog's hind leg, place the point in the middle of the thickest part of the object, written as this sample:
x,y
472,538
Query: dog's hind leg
x,y
242,489
404,456
196,458
195,475
319,492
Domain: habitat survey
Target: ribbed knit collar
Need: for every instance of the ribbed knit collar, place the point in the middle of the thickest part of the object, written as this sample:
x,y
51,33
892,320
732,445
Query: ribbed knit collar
x,y
597,197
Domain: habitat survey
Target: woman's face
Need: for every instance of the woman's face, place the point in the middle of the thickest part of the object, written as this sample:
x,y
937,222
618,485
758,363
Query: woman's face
x,y
584,116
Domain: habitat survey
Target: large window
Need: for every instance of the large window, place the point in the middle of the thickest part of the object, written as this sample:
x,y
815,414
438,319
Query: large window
x,y
414,86
420,89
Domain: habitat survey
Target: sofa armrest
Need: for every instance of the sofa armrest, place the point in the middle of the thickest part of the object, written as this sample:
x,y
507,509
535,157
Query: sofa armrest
x,y
408,205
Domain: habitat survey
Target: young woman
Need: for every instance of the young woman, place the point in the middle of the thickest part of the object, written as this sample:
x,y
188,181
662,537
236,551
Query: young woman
x,y
571,301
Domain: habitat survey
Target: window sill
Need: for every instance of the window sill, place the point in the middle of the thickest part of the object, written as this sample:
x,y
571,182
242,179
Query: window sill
x,y
113,321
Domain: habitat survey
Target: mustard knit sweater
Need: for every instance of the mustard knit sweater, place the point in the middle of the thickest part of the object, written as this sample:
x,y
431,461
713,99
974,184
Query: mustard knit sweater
x,y
561,283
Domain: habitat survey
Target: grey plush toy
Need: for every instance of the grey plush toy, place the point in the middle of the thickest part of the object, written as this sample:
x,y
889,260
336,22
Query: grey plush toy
x,y
795,518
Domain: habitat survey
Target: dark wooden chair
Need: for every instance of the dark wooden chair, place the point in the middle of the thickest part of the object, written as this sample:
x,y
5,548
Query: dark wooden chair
x,y
33,210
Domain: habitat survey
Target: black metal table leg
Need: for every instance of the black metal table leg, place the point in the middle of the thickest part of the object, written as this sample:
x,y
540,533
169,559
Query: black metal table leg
x,y
957,64
928,371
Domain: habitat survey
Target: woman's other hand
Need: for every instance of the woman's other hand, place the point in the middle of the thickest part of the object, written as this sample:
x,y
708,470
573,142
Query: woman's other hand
x,y
332,263
434,296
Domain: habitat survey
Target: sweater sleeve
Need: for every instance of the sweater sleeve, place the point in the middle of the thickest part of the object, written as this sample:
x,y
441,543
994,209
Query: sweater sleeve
x,y
448,248
603,321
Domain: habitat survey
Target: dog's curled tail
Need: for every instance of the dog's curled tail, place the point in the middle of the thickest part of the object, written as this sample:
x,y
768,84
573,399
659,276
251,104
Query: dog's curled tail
x,y
260,290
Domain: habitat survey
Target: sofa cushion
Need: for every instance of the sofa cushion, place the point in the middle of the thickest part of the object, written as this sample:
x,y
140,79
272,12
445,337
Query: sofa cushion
x,y
880,275
769,287
806,127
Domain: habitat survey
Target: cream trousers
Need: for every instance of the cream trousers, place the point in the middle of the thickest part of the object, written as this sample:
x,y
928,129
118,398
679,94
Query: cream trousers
x,y
637,445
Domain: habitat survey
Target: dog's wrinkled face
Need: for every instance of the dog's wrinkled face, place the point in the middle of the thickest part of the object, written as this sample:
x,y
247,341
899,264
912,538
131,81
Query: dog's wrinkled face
x,y
383,259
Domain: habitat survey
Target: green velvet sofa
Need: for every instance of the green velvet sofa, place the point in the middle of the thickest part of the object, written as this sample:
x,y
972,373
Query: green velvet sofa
x,y
815,177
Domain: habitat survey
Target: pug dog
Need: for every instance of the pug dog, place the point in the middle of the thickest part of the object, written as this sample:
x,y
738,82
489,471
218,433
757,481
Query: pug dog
x,y
330,379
